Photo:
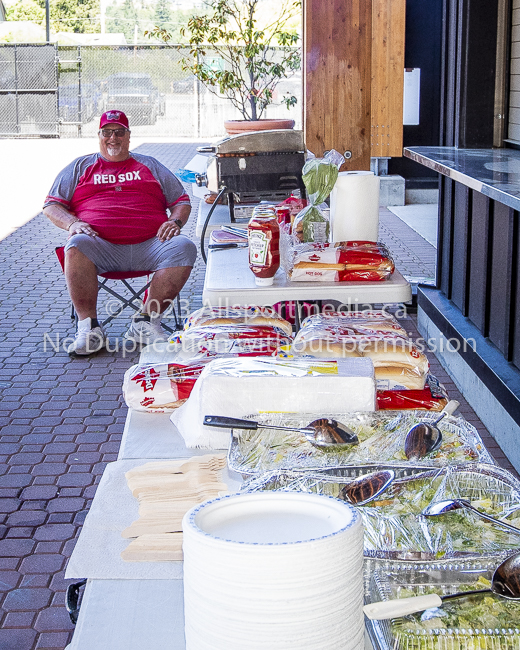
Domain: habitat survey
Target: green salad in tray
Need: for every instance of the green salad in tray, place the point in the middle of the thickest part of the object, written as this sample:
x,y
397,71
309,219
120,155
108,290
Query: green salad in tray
x,y
485,622
393,523
381,437
476,613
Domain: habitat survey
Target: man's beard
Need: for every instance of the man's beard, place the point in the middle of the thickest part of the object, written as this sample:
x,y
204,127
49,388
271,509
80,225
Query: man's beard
x,y
114,150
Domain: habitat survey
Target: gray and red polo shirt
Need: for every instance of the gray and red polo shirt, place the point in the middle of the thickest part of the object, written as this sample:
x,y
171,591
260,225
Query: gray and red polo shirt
x,y
125,202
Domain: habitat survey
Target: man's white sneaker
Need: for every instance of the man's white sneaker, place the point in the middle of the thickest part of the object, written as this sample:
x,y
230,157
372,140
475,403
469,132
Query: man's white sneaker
x,y
88,339
146,330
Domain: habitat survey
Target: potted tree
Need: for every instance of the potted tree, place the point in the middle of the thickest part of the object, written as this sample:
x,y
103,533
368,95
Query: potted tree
x,y
253,59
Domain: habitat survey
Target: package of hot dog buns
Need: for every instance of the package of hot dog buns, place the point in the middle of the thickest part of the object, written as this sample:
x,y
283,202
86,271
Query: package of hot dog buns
x,y
234,339
433,397
398,362
160,387
210,316
346,261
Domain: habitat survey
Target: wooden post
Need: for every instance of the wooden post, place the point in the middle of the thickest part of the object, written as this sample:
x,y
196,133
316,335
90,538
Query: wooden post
x,y
388,32
353,78
337,42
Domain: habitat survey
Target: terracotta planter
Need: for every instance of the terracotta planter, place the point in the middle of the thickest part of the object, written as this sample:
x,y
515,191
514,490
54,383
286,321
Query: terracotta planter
x,y
243,126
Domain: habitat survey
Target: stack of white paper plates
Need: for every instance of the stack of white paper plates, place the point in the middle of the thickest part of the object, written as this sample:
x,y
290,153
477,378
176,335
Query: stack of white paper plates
x,y
273,570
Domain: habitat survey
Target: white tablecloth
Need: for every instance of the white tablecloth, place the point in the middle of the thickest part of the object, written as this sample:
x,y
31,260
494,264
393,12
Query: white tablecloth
x,y
229,281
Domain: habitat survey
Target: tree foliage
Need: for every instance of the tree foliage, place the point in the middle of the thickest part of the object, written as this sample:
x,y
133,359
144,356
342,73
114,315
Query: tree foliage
x,y
253,58
26,10
80,16
167,20
162,12
122,18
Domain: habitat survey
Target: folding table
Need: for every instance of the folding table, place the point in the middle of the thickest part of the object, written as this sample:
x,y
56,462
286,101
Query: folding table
x,y
127,614
229,281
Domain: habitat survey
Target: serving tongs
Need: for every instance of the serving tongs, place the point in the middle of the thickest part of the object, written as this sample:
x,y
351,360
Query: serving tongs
x,y
323,432
224,246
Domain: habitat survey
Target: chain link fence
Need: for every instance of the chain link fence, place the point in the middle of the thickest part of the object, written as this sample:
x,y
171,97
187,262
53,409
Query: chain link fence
x,y
28,83
60,91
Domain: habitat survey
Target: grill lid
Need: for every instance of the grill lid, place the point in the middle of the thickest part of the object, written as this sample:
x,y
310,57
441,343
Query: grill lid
x,y
278,140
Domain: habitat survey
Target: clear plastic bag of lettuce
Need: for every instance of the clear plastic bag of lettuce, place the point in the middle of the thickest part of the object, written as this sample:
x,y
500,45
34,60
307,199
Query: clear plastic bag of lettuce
x,y
319,176
310,225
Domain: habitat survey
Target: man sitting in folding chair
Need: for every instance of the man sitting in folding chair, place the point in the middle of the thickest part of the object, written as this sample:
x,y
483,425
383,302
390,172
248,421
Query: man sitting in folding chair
x,y
114,205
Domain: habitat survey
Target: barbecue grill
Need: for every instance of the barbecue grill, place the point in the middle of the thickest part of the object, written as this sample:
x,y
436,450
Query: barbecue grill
x,y
253,167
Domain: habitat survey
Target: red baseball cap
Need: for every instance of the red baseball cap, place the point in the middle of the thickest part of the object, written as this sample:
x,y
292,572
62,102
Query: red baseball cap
x,y
113,117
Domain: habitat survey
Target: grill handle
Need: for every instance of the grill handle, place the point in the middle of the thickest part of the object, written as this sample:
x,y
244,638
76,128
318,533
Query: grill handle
x,y
207,149
201,180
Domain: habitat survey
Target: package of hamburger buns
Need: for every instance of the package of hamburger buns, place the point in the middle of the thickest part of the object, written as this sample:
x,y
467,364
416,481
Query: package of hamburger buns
x,y
235,339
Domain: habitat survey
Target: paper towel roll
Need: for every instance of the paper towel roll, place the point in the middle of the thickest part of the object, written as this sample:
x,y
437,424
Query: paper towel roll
x,y
354,207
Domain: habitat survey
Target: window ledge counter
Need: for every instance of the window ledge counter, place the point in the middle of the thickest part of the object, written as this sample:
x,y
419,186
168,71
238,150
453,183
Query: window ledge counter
x,y
470,318
495,173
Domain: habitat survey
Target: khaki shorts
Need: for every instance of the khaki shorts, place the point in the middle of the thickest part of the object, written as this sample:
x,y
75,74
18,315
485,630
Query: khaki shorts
x,y
150,255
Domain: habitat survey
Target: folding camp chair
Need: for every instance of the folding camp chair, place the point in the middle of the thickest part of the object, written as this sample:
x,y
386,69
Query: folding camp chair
x,y
137,297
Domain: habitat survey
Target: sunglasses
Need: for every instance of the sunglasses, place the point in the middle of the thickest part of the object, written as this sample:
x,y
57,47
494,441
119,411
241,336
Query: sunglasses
x,y
119,133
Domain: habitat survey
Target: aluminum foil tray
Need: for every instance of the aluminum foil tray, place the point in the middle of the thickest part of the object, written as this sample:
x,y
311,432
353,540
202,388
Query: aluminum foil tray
x,y
381,436
329,481
394,526
477,623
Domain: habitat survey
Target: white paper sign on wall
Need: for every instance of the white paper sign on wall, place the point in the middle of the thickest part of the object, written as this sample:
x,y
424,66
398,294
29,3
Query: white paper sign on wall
x,y
412,95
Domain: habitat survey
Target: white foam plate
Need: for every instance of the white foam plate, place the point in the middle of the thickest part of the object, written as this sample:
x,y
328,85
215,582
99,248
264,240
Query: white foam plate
x,y
272,518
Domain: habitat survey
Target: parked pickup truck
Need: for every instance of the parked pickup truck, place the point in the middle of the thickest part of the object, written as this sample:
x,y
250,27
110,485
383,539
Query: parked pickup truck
x,y
134,94
69,102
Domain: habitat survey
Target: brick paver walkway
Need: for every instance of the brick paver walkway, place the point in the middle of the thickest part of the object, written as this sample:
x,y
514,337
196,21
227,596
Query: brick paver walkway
x,y
62,418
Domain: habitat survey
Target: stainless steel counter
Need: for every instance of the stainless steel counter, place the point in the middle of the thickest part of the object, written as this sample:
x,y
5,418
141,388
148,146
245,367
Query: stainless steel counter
x,y
478,286
493,172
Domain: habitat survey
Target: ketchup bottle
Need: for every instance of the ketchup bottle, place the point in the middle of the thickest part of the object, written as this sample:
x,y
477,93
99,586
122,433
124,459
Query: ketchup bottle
x,y
264,244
